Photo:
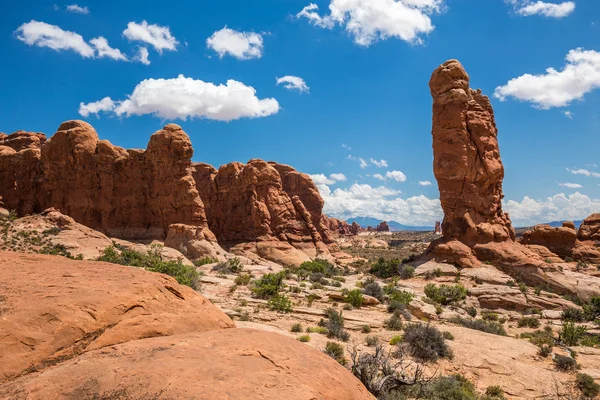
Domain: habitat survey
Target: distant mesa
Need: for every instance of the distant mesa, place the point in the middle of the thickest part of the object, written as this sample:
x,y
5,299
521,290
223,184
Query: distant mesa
x,y
394,226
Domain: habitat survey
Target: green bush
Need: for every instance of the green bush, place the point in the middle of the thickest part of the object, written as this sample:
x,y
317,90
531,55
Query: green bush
x,y
454,387
304,338
472,311
319,266
588,387
374,290
335,351
394,323
573,315
334,325
570,333
529,322
425,343
372,341
447,335
495,392
152,261
297,327
365,329
317,329
564,363
280,303
407,272
540,338
385,268
205,260
399,299
231,266
592,309
489,316
355,298
243,279
395,340
480,325
445,294
268,286
545,350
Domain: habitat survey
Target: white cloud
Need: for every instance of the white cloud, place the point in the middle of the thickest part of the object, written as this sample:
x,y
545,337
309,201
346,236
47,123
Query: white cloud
x,y
571,185
74,8
155,35
241,45
580,75
556,208
379,164
106,104
380,202
553,10
142,56
584,172
568,114
368,21
380,177
294,83
104,50
184,98
346,147
322,179
424,183
398,176
363,163
41,34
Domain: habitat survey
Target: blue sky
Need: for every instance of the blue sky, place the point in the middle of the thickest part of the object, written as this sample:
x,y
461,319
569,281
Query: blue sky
x,y
366,88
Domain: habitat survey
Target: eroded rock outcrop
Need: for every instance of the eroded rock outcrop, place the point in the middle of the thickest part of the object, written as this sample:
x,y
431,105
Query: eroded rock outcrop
x,y
590,228
467,162
382,227
251,205
563,241
341,227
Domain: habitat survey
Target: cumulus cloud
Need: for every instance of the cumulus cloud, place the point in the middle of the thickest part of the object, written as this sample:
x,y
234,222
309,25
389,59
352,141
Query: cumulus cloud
x,y
142,56
571,185
182,98
104,50
380,163
424,183
380,202
346,147
580,76
322,179
41,34
294,83
74,8
363,163
106,104
584,172
553,10
556,208
380,177
155,35
368,21
241,45
398,176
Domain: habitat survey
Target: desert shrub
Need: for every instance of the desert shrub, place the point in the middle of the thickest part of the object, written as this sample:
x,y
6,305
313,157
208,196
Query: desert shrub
x,y
395,340
316,286
348,307
268,286
297,327
374,290
588,387
590,341
406,272
480,325
280,303
231,266
573,315
152,261
372,341
355,298
545,350
447,335
399,299
243,280
425,343
489,316
365,329
334,324
570,334
540,337
472,311
304,338
335,351
592,309
394,323
383,268
319,266
205,260
52,231
335,284
529,322
445,294
564,363
454,387
317,329
310,299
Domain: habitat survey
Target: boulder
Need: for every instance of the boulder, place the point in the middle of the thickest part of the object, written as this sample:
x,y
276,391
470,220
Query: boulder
x,y
467,162
590,228
382,227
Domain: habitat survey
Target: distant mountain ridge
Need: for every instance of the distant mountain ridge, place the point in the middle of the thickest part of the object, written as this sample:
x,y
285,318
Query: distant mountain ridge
x,y
365,222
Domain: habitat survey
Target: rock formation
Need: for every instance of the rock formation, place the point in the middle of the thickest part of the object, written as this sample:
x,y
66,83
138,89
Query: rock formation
x,y
382,227
137,194
562,241
467,162
438,228
342,227
590,228
250,205
83,330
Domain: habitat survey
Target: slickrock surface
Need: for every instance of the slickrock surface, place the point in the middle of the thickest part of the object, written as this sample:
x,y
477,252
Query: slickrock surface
x,y
251,205
54,309
239,364
467,162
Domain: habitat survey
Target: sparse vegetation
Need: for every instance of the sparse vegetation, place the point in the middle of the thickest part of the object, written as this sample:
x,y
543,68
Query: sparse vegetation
x,y
445,294
297,327
243,279
231,266
365,329
480,325
407,272
152,261
571,333
268,286
573,315
394,323
355,298
587,386
425,343
372,341
374,290
205,260
335,351
529,322
564,363
385,268
304,338
280,303
334,325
